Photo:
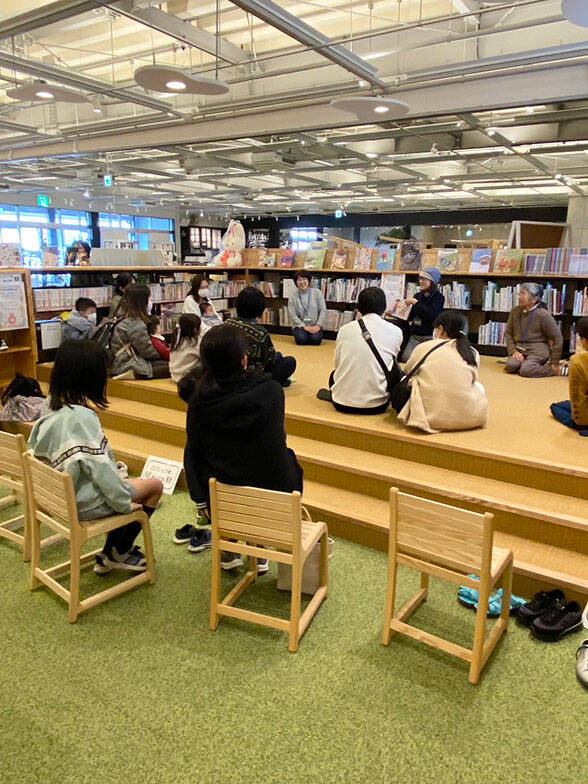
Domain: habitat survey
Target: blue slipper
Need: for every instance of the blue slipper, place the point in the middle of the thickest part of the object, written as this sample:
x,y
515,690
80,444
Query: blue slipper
x,y
495,604
468,597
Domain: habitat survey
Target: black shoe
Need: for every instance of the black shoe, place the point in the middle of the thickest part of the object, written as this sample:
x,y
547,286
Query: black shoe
x,y
325,394
202,540
541,603
556,623
184,534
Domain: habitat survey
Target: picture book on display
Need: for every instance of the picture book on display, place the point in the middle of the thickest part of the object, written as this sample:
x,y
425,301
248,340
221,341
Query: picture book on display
x,y
340,259
315,255
386,259
508,260
481,260
393,287
363,259
287,259
411,257
448,259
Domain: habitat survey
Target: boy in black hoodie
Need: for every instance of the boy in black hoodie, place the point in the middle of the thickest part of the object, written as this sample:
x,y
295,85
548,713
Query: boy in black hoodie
x,y
235,430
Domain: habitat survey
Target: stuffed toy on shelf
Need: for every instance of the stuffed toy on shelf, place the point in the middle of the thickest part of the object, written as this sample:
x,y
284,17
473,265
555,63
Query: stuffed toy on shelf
x,y
232,244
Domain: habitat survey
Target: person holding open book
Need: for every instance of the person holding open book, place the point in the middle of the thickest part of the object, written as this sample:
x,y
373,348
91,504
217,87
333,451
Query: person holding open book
x,y
422,310
533,338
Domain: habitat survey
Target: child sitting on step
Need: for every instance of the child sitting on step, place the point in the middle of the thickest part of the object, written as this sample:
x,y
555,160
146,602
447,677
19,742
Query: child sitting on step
x,y
185,351
574,412
70,438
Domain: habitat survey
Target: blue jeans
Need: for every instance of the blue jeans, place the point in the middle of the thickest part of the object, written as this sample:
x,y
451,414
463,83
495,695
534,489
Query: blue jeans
x,y
304,338
563,413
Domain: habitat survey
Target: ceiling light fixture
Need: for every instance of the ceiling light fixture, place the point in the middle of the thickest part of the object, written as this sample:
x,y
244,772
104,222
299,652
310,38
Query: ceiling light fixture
x,y
365,107
168,78
576,12
39,90
44,94
371,154
491,131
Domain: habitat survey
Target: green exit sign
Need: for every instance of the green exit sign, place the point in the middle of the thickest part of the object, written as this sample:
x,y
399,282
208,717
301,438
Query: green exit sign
x,y
43,200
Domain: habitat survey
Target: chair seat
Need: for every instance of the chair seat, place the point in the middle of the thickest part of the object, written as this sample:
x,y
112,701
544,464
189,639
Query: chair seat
x,y
500,557
311,533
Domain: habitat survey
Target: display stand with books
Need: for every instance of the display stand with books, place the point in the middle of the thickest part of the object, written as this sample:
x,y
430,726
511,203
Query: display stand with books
x,y
18,352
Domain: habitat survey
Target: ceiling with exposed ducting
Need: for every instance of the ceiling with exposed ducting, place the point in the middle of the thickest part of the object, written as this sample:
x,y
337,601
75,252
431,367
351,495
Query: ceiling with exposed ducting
x,y
251,107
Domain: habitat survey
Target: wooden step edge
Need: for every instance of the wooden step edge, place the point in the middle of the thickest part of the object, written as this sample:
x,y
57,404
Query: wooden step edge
x,y
418,440
561,518
551,577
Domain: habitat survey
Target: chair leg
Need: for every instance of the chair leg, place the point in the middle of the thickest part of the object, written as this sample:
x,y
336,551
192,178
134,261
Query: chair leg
x,y
74,582
149,555
215,589
425,585
26,537
506,594
324,563
479,634
295,607
390,601
34,582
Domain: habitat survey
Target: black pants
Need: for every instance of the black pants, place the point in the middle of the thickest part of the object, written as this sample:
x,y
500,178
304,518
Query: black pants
x,y
122,538
282,368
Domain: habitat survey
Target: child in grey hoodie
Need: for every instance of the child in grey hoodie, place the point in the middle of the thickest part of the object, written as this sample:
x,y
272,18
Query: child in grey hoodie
x,y
70,438
81,320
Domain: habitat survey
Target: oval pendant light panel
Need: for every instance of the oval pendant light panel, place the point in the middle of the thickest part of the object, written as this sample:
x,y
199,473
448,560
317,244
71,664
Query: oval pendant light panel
x,y
169,79
371,109
41,91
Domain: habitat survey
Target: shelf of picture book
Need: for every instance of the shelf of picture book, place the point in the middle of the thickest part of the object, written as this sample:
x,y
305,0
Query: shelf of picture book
x,y
343,255
494,334
18,345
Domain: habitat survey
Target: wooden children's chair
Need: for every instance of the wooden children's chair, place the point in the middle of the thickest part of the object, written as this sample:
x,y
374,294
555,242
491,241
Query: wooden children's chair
x,y
53,503
263,519
450,543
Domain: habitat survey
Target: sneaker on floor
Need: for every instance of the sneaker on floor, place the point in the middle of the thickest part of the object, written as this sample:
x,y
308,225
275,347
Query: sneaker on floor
x,y
230,560
262,566
184,534
133,561
557,622
582,663
202,517
202,540
128,375
541,603
103,564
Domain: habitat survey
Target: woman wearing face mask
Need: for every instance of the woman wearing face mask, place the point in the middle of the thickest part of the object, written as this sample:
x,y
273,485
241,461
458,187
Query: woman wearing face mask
x,y
307,311
533,339
132,352
198,297
427,304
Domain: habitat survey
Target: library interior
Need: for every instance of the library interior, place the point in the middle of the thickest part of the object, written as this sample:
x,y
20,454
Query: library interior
x,y
294,342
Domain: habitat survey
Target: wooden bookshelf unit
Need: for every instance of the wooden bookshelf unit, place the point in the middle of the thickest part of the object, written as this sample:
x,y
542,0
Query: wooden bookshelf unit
x,y
21,355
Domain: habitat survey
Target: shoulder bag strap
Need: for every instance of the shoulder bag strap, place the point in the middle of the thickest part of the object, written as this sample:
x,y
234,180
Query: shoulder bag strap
x,y
417,367
368,339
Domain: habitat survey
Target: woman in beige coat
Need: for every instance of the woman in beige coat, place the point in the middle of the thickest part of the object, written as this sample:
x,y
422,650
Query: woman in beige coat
x,y
445,391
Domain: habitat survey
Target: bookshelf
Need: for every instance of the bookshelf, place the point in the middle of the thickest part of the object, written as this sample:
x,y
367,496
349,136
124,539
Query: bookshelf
x,y
18,308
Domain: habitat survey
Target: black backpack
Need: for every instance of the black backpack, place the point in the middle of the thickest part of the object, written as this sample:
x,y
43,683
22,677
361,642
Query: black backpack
x,y
104,333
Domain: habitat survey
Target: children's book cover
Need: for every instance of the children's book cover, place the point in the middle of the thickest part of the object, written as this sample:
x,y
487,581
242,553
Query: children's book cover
x,y
508,260
363,259
481,260
411,257
340,259
386,259
448,260
287,259
315,255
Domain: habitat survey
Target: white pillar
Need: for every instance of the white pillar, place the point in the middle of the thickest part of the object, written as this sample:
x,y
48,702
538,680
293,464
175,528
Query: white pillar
x,y
577,220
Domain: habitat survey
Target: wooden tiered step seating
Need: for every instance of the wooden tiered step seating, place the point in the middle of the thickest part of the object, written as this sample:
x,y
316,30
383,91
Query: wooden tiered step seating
x,y
541,510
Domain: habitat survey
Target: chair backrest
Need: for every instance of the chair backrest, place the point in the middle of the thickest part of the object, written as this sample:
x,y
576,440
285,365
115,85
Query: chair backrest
x,y
52,493
437,533
12,448
256,515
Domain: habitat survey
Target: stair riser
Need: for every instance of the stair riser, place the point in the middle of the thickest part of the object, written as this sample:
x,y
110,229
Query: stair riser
x,y
573,539
138,426
429,453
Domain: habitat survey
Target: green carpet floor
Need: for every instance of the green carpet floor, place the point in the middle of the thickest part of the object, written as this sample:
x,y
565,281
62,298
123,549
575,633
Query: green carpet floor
x,y
139,690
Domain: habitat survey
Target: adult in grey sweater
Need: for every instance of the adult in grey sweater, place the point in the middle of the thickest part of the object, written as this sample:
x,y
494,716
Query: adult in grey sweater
x,y
533,339
307,311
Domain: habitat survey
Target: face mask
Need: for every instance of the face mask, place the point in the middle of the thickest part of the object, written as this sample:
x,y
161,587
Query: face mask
x,y
149,306
92,319
204,293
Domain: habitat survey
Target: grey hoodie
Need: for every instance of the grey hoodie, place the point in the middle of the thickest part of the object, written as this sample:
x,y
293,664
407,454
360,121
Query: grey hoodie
x,y
76,327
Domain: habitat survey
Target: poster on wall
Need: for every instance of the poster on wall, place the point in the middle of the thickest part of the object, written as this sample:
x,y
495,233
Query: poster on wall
x,y
10,255
13,313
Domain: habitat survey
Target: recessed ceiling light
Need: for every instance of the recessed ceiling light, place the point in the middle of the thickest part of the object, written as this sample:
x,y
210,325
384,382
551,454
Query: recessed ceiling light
x,y
362,83
381,109
97,110
491,131
173,85
372,154
44,94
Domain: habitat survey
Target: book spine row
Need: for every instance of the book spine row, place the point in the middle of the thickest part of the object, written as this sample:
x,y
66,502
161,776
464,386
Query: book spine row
x,y
48,299
503,299
581,302
492,334
457,296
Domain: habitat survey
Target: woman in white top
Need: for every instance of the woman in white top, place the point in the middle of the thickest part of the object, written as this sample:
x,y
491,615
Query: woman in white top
x,y
445,391
199,294
358,384
185,352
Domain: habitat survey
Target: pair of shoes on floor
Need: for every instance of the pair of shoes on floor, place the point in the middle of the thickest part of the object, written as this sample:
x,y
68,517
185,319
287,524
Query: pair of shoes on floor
x,y
582,663
549,616
469,597
197,539
234,560
133,561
